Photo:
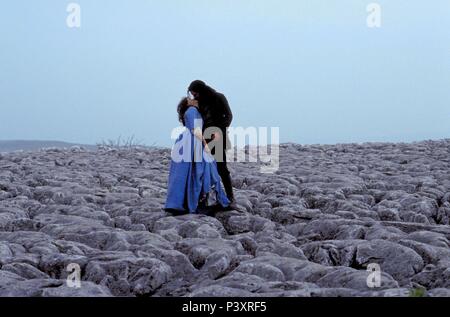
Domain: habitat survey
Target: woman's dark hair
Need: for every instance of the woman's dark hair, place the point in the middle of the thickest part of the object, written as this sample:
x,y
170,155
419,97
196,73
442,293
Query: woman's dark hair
x,y
181,109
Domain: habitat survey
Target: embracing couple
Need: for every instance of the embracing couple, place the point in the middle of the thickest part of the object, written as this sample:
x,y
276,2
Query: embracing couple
x,y
198,159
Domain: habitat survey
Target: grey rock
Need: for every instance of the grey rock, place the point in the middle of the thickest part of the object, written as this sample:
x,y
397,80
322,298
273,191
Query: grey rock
x,y
433,277
309,229
219,291
355,279
86,289
198,250
125,275
439,292
399,261
25,270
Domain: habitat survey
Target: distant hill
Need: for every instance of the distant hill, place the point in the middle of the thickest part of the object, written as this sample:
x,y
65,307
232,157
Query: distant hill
x,y
32,145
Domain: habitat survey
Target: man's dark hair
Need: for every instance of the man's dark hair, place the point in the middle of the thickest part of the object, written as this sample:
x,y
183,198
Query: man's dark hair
x,y
197,86
206,93
212,105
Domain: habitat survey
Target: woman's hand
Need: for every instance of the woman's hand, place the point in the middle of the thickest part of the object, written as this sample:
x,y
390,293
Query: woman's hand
x,y
207,149
198,133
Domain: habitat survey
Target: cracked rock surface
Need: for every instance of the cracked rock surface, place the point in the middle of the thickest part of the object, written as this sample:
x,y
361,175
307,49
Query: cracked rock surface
x,y
312,228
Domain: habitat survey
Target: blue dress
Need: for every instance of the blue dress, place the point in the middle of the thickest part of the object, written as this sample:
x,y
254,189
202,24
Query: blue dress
x,y
193,172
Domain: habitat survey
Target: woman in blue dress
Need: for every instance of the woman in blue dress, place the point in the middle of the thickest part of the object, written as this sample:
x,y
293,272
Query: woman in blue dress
x,y
194,182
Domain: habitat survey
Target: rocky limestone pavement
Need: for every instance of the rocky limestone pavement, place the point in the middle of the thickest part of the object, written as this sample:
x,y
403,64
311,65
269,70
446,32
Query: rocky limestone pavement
x,y
311,228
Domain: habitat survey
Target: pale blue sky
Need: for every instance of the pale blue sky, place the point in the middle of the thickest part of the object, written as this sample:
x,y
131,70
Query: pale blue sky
x,y
312,68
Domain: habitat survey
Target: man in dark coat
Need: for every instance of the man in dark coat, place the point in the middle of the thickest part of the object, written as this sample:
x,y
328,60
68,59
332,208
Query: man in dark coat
x,y
216,113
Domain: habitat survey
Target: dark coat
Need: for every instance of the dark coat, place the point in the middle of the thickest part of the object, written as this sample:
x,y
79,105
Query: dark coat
x,y
216,112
